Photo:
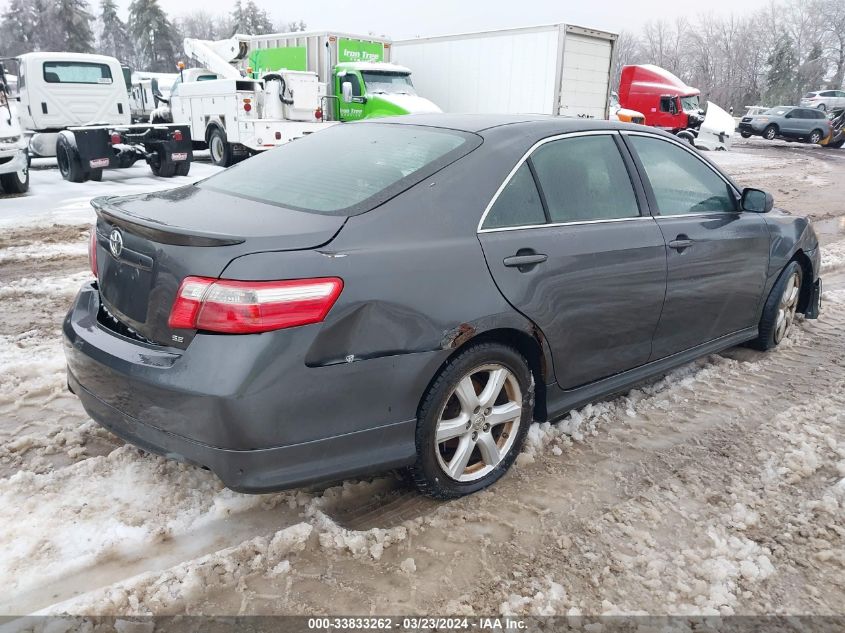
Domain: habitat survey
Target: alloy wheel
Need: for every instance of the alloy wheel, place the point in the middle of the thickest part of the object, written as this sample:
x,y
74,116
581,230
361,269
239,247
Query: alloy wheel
x,y
787,306
815,137
478,424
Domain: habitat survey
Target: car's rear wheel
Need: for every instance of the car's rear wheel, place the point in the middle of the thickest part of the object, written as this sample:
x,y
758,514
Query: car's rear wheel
x,y
472,421
770,133
781,306
822,107
815,137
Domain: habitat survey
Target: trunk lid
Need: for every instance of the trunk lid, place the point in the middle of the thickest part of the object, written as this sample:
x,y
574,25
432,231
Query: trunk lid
x,y
148,243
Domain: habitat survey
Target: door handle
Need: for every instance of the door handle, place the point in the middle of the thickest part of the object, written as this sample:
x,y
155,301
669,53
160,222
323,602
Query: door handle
x,y
524,261
680,243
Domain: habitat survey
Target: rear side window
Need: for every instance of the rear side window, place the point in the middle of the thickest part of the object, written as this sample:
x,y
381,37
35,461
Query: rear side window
x,y
584,178
681,182
346,169
518,204
76,73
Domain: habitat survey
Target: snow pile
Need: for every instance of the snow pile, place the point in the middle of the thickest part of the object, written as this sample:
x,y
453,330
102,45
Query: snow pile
x,y
182,587
33,367
98,509
545,598
360,543
65,286
43,251
833,256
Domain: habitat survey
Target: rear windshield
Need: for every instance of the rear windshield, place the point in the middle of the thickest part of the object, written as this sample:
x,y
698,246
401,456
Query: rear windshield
x,y
346,169
76,73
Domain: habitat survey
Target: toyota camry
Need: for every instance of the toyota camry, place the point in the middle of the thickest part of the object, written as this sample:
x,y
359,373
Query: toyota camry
x,y
415,292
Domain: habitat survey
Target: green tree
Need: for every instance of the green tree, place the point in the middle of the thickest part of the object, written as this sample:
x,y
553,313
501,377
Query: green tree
x,y
114,36
783,67
69,26
154,37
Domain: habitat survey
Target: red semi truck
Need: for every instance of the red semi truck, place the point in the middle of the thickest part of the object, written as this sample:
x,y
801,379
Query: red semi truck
x,y
665,100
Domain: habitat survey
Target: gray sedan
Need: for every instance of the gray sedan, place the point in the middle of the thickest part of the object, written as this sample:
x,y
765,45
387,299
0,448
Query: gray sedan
x,y
788,122
415,292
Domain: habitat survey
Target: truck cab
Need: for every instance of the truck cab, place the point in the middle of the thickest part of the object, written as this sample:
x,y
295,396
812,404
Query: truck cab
x,y
665,100
375,89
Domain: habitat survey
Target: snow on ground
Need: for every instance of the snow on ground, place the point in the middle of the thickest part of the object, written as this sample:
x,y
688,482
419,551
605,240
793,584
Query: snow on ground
x,y
717,488
52,200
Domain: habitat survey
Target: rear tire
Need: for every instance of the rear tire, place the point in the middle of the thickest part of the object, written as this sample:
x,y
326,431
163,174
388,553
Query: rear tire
x,y
67,156
779,311
822,107
17,182
221,151
815,137
770,133
183,168
745,134
96,175
469,429
161,165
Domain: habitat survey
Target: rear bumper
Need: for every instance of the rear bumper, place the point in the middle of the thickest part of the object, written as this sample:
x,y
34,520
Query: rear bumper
x,y
260,420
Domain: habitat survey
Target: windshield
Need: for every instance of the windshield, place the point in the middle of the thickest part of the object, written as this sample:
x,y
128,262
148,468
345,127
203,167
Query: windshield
x,y
388,83
346,169
690,104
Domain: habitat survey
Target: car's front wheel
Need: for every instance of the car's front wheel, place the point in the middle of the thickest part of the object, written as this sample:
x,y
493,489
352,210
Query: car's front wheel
x,y
745,134
472,421
770,133
781,306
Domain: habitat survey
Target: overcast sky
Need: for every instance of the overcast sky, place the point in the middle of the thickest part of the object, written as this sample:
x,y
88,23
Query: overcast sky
x,y
399,19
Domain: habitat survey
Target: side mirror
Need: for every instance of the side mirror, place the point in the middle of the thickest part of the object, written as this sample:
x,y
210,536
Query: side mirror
x,y
346,89
756,201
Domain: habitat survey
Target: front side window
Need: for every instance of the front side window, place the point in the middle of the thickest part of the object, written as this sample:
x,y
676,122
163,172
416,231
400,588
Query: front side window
x,y
76,73
584,178
518,204
681,182
353,81
346,169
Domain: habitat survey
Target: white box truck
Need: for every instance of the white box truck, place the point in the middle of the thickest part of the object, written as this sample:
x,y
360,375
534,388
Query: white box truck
x,y
558,69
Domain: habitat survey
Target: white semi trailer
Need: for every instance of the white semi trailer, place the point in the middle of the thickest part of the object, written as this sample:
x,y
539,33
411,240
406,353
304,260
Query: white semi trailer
x,y
558,69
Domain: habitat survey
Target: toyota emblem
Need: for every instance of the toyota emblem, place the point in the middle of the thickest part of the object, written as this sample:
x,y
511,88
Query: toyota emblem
x,y
116,243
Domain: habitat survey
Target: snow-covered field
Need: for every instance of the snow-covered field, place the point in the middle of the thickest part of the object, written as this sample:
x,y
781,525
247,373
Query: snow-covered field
x,y
719,488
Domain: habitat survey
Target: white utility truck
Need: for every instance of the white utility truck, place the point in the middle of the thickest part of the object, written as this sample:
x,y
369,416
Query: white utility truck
x,y
557,69
75,107
146,92
255,92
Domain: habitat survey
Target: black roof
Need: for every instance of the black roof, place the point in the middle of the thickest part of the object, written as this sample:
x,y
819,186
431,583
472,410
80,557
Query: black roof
x,y
481,122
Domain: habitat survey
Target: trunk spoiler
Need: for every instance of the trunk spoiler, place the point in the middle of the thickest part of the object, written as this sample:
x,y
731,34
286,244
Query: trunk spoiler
x,y
155,230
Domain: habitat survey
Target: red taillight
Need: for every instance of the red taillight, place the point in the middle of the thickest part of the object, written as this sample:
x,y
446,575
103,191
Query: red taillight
x,y
242,307
92,250
247,106
278,136
177,135
318,113
115,138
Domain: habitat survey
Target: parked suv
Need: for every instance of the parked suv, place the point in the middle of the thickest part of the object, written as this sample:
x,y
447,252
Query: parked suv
x,y
788,122
824,99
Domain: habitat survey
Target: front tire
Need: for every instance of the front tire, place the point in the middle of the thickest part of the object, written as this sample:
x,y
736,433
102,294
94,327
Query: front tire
x,y
472,421
770,133
17,182
779,311
745,134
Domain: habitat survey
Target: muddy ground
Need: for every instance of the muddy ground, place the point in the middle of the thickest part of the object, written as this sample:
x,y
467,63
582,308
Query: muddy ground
x,y
719,488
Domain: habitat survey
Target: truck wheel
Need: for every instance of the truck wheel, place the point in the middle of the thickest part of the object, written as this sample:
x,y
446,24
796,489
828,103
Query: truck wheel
x,y
70,166
687,136
16,182
183,168
220,150
96,175
161,165
770,133
836,144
